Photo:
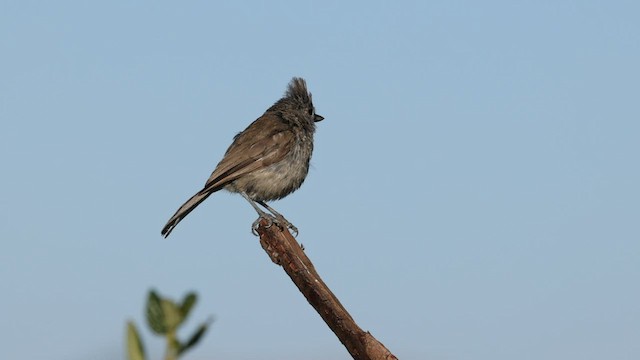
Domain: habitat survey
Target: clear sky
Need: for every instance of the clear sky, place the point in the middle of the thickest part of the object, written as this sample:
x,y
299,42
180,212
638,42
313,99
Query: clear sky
x,y
474,190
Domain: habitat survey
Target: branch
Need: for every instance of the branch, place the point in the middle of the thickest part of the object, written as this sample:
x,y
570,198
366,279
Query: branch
x,y
285,251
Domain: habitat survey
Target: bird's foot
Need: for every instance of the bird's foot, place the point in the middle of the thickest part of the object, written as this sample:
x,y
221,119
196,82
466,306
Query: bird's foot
x,y
280,221
270,219
284,223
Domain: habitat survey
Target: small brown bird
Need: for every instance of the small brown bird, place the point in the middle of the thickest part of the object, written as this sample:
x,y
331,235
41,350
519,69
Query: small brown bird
x,y
267,161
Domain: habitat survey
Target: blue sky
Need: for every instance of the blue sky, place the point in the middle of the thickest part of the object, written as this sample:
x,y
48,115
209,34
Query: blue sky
x,y
474,190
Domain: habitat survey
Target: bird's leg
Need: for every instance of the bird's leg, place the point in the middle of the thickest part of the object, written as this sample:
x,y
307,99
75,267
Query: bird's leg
x,y
281,220
262,215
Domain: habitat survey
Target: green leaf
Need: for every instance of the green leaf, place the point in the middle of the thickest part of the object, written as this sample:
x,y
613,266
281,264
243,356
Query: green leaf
x,y
187,304
195,337
135,349
156,317
172,315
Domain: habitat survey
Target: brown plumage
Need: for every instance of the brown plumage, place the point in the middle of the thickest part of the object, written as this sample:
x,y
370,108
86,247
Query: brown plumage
x,y
268,160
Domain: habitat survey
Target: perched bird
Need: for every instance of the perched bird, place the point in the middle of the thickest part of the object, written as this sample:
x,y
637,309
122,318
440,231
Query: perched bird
x,y
267,161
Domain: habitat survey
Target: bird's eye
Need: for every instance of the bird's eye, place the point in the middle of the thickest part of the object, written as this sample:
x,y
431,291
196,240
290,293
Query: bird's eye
x,y
311,111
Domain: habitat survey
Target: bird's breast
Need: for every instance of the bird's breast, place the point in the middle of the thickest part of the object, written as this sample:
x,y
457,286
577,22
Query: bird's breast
x,y
278,179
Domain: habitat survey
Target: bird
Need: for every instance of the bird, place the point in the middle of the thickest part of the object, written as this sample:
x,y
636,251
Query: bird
x,y
266,161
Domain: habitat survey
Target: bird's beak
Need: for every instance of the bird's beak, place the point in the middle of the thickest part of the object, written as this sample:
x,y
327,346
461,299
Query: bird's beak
x,y
318,118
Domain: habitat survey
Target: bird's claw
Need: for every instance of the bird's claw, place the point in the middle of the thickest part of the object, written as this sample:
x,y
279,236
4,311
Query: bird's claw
x,y
282,222
256,224
293,229
271,220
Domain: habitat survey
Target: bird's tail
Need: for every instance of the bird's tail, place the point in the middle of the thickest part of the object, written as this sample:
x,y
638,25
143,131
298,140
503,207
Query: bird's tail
x,y
184,210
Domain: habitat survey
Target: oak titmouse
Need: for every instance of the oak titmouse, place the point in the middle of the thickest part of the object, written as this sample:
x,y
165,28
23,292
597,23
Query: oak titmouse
x,y
267,161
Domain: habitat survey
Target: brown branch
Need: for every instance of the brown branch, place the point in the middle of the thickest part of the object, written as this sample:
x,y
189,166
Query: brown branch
x,y
285,251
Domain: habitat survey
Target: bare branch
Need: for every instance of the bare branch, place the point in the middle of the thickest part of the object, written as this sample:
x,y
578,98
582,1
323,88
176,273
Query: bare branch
x,y
285,251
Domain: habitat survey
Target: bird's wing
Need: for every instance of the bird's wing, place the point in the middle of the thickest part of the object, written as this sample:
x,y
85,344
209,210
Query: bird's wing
x,y
265,142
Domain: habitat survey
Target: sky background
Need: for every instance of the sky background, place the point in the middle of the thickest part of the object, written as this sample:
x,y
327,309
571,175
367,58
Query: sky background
x,y
474,190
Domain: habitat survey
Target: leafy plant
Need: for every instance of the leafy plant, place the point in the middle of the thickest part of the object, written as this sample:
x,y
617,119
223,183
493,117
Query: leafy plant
x,y
164,317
